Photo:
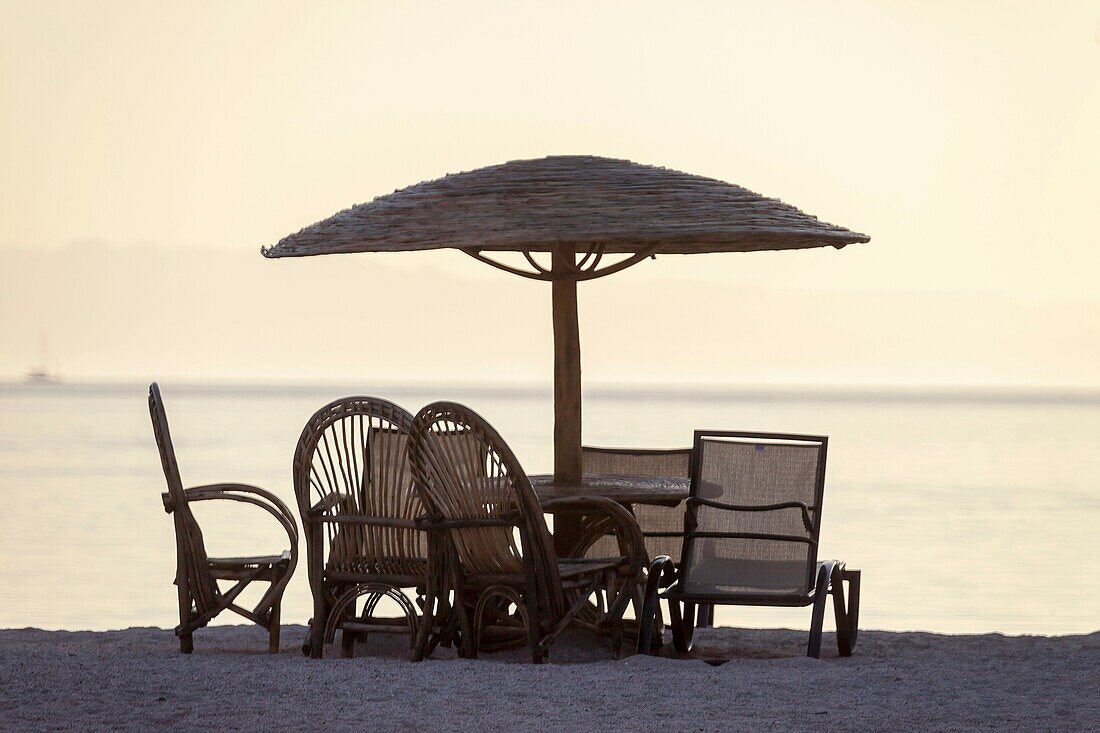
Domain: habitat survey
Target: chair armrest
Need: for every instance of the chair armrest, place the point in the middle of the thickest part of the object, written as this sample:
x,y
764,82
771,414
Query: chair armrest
x,y
662,574
626,525
325,504
807,521
271,504
246,494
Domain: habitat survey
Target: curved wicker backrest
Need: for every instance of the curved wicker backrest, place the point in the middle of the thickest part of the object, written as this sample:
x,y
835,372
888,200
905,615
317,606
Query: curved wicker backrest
x,y
467,472
356,447
776,483
656,521
190,549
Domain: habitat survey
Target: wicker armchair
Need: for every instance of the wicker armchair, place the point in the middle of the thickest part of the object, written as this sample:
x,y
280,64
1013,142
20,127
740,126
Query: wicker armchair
x,y
360,517
200,598
480,499
751,538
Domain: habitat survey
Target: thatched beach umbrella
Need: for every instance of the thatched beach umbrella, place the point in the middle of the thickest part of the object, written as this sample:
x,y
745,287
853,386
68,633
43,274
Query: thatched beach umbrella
x,y
579,209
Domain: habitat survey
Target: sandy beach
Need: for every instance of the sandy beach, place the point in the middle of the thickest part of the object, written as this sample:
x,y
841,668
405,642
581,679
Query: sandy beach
x,y
136,679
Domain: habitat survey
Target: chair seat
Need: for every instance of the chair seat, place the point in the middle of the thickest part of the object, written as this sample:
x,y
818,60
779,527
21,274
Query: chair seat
x,y
567,570
358,565
573,567
271,567
252,561
742,599
753,596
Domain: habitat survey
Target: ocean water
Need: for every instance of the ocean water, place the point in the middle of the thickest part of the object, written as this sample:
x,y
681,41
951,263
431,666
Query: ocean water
x,y
966,512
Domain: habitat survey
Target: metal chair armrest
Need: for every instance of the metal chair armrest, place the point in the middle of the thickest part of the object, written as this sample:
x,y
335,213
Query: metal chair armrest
x,y
662,569
806,509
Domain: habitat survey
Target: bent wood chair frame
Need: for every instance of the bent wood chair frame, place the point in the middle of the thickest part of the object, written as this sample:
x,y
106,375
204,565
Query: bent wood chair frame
x,y
200,598
479,498
669,580
362,521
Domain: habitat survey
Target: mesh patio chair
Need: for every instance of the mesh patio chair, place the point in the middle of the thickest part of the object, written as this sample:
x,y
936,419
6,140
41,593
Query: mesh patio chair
x,y
197,575
751,537
496,547
360,517
662,526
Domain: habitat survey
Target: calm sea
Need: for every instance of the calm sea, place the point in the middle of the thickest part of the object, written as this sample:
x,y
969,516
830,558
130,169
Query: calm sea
x,y
966,512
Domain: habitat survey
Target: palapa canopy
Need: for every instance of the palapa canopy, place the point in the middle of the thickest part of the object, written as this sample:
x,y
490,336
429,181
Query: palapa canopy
x,y
585,201
579,209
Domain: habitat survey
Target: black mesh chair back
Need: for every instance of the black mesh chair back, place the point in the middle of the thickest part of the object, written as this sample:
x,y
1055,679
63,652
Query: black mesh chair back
x,y
753,516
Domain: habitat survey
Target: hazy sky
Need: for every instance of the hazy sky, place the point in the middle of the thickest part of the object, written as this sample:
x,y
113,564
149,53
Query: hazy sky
x,y
147,151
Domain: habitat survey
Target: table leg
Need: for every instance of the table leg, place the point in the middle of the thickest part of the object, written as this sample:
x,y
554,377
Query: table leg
x,y
567,533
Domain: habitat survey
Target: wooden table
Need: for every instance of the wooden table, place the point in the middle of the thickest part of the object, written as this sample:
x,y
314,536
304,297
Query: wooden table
x,y
627,490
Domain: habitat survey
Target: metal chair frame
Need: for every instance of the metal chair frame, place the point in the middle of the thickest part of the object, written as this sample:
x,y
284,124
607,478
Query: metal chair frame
x,y
667,579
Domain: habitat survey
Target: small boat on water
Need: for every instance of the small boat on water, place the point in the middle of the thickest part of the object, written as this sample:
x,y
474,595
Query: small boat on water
x,y
41,374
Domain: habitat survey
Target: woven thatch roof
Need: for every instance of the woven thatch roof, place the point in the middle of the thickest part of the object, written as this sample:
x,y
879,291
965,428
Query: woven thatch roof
x,y
581,200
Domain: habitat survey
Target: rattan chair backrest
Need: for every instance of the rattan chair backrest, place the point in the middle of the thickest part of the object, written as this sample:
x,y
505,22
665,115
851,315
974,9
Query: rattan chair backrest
x,y
191,559
468,473
357,448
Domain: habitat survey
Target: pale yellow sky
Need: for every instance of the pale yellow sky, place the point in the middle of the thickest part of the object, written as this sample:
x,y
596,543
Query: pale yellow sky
x,y
960,136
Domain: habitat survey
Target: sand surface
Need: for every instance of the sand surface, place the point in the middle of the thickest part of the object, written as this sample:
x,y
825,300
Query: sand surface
x,y
136,679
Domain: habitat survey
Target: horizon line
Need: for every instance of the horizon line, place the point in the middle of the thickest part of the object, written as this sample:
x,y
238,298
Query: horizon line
x,y
760,392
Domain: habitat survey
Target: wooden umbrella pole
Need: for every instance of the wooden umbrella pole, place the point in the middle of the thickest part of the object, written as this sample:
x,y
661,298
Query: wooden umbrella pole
x,y
567,388
567,366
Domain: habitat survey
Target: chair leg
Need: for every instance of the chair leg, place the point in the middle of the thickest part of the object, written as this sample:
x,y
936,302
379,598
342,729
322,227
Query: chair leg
x,y
840,614
682,621
307,643
650,609
650,627
533,619
705,616
435,600
821,592
617,641
853,578
347,638
424,630
467,646
847,614
273,628
317,626
658,629
183,596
